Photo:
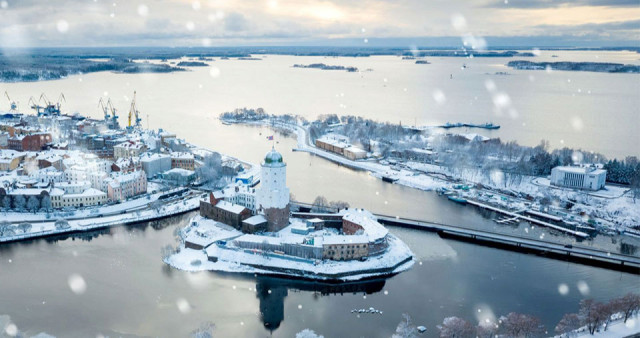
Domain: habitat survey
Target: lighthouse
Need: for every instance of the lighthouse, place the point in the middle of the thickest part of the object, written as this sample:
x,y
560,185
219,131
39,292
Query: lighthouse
x,y
273,194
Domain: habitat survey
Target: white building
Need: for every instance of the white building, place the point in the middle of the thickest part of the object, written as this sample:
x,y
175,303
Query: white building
x,y
273,195
122,186
98,180
128,149
89,197
154,164
243,195
48,175
583,177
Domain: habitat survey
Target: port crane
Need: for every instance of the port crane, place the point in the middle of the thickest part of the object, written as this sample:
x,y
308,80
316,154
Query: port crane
x,y
133,111
49,107
35,106
13,104
105,109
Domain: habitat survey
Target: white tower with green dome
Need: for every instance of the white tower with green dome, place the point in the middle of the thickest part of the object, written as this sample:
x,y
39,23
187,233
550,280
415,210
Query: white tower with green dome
x,y
273,195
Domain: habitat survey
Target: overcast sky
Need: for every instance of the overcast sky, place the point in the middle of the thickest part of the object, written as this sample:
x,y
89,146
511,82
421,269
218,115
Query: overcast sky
x,y
361,23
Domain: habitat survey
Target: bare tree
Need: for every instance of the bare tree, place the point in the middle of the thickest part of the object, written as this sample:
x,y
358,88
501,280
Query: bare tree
x,y
339,205
24,227
628,304
569,322
405,328
521,325
486,330
593,314
320,203
454,327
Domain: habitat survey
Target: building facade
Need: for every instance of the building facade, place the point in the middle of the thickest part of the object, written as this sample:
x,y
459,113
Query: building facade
x,y
586,177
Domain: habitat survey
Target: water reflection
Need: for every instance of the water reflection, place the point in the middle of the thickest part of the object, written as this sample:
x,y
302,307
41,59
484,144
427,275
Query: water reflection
x,y
272,291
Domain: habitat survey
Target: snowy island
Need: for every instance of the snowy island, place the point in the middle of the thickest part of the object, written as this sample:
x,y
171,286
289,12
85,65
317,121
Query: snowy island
x,y
247,230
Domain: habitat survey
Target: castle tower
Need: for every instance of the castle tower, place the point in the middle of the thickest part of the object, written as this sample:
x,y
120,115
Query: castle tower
x,y
273,194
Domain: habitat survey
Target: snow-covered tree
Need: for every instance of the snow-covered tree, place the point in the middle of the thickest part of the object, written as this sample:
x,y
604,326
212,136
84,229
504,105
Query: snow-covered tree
x,y
211,170
405,328
5,202
24,227
454,327
19,202
307,333
204,331
568,323
521,325
6,229
33,204
62,224
45,204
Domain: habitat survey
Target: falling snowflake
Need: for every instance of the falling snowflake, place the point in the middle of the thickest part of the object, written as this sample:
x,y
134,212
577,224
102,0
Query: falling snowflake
x,y
77,284
143,10
62,26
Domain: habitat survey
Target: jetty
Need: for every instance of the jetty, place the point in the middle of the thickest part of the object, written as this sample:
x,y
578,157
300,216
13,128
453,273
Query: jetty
x,y
528,219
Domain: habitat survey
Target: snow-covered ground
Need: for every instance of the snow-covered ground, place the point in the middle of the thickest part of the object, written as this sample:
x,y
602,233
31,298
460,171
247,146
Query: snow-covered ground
x,y
616,329
613,207
397,258
48,228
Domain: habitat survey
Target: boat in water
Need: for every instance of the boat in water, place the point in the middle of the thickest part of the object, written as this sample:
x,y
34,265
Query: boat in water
x,y
457,199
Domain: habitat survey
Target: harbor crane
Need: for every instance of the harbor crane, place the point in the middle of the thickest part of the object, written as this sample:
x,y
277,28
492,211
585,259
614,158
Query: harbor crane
x,y
13,104
105,109
133,111
114,115
49,108
35,106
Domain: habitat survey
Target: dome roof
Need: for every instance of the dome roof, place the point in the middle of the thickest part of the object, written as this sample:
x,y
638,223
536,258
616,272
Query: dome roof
x,y
273,158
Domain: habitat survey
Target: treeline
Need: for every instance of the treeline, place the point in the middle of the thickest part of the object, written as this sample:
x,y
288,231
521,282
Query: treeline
x,y
245,114
37,68
626,171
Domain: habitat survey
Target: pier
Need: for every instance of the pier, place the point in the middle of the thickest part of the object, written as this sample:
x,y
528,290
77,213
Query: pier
x,y
528,219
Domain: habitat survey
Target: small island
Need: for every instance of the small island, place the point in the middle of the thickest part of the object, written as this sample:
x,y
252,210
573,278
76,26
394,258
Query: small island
x,y
246,230
326,67
192,64
601,67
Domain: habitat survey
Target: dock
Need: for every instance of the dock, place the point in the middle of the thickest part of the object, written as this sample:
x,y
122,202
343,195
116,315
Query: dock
x,y
528,219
